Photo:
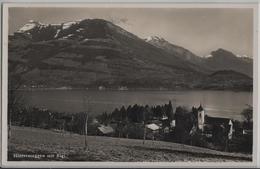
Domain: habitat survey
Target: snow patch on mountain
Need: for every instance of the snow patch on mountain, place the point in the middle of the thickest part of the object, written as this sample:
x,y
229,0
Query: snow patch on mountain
x,y
57,33
79,30
237,55
29,26
69,36
67,25
242,56
207,56
55,24
32,25
86,39
153,38
148,39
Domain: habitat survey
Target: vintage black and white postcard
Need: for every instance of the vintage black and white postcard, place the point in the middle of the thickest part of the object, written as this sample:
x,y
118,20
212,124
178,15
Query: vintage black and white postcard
x,y
129,85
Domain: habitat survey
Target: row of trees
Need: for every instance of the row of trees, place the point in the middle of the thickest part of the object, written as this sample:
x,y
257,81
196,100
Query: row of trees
x,y
137,114
39,118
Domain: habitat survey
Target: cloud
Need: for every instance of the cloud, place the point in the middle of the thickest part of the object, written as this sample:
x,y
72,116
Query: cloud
x,y
119,21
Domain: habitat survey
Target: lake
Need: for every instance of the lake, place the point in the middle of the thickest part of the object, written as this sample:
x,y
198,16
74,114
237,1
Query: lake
x,y
216,103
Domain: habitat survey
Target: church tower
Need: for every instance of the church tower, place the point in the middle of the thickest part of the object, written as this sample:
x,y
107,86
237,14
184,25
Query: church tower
x,y
201,118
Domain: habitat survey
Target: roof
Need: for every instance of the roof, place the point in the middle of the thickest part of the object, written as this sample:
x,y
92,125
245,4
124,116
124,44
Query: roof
x,y
94,121
200,108
164,118
152,126
217,120
106,129
156,122
247,132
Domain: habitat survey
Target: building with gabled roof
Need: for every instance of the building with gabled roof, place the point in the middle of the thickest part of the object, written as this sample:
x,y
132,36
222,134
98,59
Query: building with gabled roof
x,y
153,127
152,131
105,130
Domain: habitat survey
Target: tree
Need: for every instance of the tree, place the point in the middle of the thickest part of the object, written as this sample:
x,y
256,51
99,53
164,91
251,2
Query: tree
x,y
247,113
146,114
169,111
158,111
123,114
184,123
181,110
116,115
15,99
104,118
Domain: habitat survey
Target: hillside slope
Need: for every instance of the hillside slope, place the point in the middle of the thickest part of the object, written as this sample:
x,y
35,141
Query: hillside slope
x,y
230,80
178,51
71,147
224,60
95,52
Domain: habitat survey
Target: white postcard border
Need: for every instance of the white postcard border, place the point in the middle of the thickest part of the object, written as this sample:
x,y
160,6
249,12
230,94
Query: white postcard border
x,y
47,164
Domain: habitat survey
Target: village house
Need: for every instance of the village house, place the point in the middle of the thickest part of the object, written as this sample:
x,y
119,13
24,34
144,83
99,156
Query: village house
x,y
158,127
163,122
105,130
152,130
247,132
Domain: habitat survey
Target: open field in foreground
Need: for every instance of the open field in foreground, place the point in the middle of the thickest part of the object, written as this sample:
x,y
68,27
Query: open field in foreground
x,y
38,144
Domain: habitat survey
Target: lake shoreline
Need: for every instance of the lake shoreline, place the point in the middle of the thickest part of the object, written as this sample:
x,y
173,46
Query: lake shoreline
x,y
217,103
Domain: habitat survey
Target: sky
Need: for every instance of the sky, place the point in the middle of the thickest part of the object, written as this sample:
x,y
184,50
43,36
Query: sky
x,y
200,30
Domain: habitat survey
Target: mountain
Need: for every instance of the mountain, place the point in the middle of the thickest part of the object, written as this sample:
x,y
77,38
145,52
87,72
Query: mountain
x,y
177,51
95,52
218,60
230,80
224,60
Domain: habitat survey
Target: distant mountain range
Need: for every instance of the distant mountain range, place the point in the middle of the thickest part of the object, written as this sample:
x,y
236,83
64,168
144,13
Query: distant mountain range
x,y
218,60
95,52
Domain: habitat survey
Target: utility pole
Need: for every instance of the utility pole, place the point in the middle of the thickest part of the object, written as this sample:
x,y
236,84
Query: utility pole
x,y
120,124
144,133
9,125
86,123
86,132
144,125
70,128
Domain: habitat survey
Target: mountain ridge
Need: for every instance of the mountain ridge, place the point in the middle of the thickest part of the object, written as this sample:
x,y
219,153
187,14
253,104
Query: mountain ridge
x,y
220,59
96,52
